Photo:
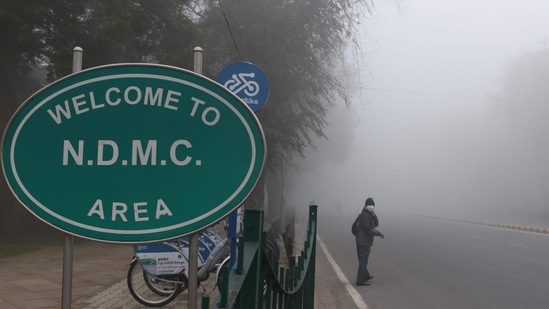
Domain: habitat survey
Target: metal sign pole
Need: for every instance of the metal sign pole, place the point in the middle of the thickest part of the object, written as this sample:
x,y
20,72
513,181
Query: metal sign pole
x,y
66,293
193,271
68,249
193,239
233,224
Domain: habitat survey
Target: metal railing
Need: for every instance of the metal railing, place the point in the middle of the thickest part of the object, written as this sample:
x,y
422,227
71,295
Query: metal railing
x,y
258,281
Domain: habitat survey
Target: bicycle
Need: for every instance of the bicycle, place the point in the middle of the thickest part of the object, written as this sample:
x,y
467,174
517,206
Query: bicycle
x,y
241,82
158,272
155,286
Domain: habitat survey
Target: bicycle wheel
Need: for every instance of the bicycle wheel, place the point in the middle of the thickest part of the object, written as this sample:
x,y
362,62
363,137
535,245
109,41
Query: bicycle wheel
x,y
152,291
219,279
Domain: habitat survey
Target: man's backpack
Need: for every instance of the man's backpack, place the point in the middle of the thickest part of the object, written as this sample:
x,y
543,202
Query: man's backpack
x,y
354,228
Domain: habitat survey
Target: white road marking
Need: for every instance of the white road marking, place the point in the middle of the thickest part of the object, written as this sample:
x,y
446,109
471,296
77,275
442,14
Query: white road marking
x,y
520,246
357,298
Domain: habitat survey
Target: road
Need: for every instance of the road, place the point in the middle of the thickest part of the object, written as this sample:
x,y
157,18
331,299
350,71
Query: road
x,y
430,263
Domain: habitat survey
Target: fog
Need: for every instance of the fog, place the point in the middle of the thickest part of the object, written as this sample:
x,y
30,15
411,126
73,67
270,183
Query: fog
x,y
423,135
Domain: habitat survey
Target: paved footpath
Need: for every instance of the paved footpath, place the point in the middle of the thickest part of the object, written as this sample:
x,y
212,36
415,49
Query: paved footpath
x,y
33,279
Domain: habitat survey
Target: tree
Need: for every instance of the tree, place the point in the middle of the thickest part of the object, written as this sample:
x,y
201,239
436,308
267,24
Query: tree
x,y
120,31
524,101
21,49
524,108
41,35
295,43
38,37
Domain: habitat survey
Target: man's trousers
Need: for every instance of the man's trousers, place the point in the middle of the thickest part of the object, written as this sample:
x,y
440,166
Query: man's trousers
x,y
363,254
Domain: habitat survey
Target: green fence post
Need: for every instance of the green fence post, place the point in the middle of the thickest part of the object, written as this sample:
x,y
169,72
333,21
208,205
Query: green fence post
x,y
253,283
205,302
282,281
310,281
287,287
268,295
240,257
224,286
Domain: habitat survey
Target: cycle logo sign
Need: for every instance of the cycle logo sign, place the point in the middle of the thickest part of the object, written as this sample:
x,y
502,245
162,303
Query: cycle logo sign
x,y
247,81
133,153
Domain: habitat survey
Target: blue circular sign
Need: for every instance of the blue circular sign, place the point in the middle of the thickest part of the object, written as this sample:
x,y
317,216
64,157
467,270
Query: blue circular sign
x,y
247,81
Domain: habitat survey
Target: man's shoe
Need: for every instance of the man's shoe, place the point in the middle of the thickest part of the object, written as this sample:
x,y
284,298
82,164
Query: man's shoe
x,y
362,284
369,278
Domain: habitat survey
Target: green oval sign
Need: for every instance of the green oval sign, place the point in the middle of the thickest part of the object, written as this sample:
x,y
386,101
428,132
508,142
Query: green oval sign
x,y
133,153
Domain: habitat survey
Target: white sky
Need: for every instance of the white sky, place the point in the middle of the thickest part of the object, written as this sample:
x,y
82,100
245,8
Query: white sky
x,y
418,142
449,46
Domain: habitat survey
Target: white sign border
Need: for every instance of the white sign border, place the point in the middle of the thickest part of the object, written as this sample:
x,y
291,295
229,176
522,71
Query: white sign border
x,y
135,75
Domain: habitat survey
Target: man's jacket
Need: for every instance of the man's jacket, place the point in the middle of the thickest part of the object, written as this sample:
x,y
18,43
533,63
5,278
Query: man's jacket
x,y
367,225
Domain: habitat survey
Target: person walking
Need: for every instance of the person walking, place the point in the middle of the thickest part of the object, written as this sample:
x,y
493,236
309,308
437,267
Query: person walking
x,y
367,224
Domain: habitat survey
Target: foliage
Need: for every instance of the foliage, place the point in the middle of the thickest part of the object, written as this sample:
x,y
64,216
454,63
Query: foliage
x,y
294,42
21,48
121,31
524,97
42,34
297,44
